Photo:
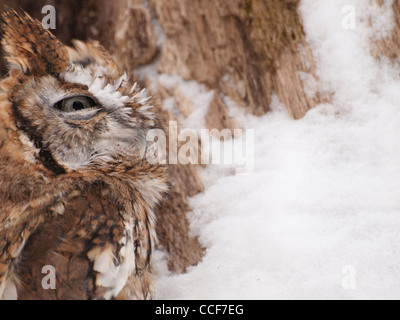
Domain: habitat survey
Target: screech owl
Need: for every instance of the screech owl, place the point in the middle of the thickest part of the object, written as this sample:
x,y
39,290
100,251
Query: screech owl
x,y
76,191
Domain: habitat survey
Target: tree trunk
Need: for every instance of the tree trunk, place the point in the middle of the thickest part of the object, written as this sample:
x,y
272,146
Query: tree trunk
x,y
245,49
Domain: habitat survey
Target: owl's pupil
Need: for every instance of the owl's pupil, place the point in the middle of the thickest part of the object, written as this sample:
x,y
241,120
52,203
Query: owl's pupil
x,y
77,105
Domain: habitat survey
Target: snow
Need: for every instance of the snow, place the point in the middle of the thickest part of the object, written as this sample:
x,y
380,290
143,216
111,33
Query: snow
x,y
198,94
322,207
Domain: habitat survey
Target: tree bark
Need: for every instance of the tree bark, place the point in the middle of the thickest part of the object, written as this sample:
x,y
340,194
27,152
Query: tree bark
x,y
245,49
389,46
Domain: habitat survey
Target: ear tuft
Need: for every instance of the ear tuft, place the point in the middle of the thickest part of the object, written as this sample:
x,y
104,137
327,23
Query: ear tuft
x,y
29,47
92,53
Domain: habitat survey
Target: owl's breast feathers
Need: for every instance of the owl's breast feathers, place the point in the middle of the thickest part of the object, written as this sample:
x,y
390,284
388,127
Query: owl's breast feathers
x,y
94,243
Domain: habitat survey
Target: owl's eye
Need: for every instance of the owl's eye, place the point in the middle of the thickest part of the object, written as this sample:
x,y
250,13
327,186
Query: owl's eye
x,y
75,104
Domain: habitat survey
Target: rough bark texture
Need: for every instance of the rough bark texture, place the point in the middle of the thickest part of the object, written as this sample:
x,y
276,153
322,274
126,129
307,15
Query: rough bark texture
x,y
390,46
245,50
173,228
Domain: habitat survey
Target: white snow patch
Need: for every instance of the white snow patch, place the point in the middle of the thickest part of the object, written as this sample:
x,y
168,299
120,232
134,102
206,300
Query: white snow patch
x,y
325,193
199,95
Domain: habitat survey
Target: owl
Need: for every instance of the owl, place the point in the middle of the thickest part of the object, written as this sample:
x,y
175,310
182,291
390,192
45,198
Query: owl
x,y
77,188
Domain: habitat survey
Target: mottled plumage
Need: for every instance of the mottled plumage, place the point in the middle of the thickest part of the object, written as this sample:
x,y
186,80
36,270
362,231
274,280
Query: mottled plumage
x,y
76,189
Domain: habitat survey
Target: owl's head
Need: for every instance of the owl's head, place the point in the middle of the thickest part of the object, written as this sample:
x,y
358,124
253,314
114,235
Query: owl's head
x,y
72,105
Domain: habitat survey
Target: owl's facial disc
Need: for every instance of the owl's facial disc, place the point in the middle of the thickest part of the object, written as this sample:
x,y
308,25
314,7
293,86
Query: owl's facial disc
x,y
81,118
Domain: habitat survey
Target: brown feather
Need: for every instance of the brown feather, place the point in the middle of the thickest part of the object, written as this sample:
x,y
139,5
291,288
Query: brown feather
x,y
29,47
